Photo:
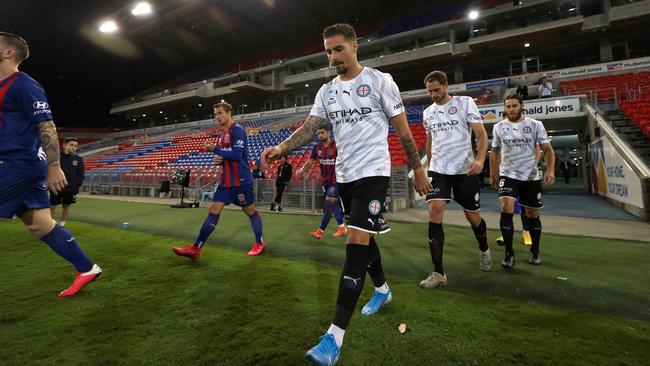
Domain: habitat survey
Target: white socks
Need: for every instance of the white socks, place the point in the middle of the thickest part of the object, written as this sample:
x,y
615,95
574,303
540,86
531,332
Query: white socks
x,y
383,289
338,334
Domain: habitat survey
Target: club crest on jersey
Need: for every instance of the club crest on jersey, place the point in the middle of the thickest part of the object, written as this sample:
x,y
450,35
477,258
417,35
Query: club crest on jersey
x,y
363,90
452,110
331,96
527,129
374,207
74,163
505,130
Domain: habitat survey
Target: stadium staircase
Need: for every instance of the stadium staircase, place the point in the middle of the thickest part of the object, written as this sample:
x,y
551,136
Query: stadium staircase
x,y
633,125
628,98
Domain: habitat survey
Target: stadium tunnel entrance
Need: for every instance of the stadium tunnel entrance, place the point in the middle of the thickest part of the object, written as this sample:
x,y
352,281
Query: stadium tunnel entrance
x,y
580,190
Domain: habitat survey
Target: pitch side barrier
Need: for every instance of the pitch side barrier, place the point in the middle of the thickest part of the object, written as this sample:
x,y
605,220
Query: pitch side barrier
x,y
616,172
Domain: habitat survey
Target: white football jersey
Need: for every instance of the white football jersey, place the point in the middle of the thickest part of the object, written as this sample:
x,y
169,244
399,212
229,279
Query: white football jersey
x,y
451,134
359,111
517,142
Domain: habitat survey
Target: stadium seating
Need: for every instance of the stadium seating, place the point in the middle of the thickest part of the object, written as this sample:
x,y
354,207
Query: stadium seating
x,y
296,125
151,157
151,160
258,122
638,111
453,11
610,88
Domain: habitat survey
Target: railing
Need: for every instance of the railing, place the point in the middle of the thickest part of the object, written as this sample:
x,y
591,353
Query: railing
x,y
640,92
610,93
631,157
303,195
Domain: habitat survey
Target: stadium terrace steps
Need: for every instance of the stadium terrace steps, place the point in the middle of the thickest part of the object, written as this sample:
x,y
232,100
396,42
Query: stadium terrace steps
x,y
634,125
629,96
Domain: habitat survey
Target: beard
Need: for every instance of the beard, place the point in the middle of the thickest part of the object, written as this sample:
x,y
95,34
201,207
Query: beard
x,y
440,98
514,116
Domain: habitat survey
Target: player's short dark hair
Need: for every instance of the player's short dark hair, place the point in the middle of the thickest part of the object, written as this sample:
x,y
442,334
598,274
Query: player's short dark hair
x,y
18,43
340,29
225,105
325,127
436,75
70,139
514,96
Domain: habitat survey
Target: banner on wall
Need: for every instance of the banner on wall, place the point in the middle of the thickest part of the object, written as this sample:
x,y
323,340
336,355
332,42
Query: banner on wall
x,y
278,112
634,63
611,175
485,84
539,109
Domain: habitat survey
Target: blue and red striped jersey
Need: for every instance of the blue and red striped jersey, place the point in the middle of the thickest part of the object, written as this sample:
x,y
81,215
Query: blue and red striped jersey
x,y
23,105
326,155
232,147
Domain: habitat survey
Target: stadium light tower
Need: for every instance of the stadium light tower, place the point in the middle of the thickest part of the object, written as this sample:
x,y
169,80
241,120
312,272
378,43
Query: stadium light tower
x,y
108,26
473,15
142,8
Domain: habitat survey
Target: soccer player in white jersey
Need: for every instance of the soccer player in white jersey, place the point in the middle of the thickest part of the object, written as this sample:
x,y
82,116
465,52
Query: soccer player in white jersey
x,y
525,224
453,169
513,172
359,103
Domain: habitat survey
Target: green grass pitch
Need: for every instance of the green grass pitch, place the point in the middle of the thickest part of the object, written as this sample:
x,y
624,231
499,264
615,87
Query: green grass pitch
x,y
588,304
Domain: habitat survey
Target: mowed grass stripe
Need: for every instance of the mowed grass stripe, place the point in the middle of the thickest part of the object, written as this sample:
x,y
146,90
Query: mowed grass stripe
x,y
229,309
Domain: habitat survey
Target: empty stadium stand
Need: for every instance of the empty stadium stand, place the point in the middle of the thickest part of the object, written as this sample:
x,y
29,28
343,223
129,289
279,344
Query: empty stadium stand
x,y
149,161
610,88
634,125
629,94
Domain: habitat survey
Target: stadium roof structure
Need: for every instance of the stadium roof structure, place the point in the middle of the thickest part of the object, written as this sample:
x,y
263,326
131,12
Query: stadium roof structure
x,y
178,40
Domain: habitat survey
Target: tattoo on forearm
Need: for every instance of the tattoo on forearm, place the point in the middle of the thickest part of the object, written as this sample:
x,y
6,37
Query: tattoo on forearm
x,y
411,151
304,134
50,142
